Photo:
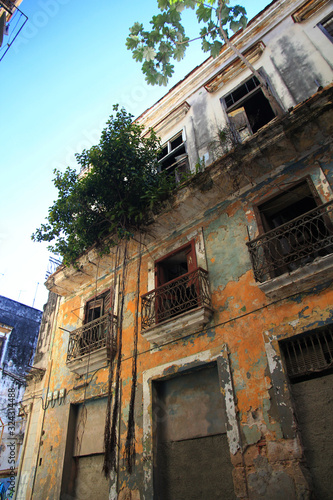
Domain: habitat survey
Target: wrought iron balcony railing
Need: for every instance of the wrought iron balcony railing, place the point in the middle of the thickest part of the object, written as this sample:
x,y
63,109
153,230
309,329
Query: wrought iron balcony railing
x,y
180,295
293,244
92,336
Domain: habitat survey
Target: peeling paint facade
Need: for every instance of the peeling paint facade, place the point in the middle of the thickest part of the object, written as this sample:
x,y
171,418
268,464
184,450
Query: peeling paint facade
x,y
246,285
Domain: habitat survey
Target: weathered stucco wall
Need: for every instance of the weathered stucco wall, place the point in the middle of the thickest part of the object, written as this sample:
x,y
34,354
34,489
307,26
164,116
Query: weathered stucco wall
x,y
265,450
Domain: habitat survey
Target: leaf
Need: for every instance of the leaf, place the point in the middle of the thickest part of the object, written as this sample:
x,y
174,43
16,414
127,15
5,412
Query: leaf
x,y
234,26
205,45
179,52
216,48
149,53
243,21
162,80
203,13
136,28
163,4
138,54
132,42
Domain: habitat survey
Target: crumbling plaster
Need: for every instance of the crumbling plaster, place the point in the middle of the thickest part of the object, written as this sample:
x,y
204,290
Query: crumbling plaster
x,y
216,218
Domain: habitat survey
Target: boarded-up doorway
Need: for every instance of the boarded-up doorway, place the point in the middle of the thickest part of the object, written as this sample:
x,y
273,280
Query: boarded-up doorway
x,y
90,481
309,361
191,452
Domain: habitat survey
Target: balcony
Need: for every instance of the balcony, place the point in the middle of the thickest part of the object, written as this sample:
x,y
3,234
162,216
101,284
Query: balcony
x,y
176,308
89,347
297,251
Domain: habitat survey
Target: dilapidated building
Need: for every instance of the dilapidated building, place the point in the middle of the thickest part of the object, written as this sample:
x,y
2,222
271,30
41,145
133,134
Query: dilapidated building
x,y
227,333
19,327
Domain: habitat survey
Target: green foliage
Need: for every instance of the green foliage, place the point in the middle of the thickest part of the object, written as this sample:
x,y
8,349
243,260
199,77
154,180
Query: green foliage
x,y
113,199
167,41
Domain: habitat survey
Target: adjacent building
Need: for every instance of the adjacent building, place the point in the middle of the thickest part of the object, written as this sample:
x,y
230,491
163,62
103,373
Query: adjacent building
x,y
227,335
19,328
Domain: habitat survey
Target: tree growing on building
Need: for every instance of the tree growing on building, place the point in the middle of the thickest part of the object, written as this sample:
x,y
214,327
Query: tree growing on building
x,y
118,186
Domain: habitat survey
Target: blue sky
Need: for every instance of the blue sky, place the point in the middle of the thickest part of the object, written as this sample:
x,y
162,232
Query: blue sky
x,y
59,80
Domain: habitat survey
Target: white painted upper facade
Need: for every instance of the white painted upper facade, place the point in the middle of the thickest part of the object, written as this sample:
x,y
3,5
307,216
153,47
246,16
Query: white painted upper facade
x,y
286,42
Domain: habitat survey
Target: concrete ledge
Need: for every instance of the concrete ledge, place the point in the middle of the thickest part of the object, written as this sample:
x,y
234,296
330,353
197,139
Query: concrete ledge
x,y
178,327
300,280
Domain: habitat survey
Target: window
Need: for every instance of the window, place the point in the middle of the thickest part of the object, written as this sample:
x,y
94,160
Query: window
x,y
295,229
175,282
180,286
308,360
247,108
173,158
308,354
326,27
94,333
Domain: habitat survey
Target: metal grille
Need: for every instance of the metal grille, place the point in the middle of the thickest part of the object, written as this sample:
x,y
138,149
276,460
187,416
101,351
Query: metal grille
x,y
91,336
309,353
293,244
175,297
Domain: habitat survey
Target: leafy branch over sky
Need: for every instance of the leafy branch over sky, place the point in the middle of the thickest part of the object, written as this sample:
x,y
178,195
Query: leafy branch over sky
x,y
166,42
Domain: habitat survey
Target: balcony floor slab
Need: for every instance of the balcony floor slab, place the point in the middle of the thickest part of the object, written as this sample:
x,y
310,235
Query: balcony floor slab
x,y
178,327
89,362
302,279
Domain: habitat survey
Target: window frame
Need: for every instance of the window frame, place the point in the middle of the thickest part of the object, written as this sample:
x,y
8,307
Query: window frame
x,y
94,302
256,206
191,253
237,105
170,295
173,152
322,27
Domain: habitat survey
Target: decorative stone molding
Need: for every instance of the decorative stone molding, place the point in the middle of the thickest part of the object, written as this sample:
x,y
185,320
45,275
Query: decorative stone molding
x,y
169,121
307,10
233,69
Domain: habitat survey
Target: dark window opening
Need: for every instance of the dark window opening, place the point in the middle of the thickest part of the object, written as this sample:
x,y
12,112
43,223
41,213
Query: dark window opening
x,y
2,344
286,206
295,229
176,283
241,91
172,267
180,286
258,111
99,327
308,361
97,307
309,354
173,158
327,27
248,109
